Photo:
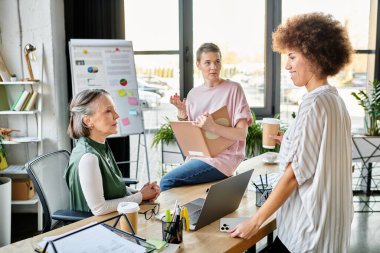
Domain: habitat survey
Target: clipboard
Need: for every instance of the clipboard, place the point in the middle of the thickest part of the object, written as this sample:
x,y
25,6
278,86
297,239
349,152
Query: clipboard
x,y
131,237
195,141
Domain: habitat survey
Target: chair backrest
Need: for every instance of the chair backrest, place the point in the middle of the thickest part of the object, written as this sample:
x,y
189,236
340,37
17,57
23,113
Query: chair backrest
x,y
47,174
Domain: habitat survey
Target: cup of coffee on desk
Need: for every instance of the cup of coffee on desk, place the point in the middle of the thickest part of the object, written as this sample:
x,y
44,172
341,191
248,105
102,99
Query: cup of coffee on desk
x,y
271,126
130,209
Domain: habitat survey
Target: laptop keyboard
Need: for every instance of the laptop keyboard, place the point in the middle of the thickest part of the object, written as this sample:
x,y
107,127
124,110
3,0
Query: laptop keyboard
x,y
194,217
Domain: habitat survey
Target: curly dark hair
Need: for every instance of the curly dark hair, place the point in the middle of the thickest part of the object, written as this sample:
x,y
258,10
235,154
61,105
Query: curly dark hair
x,y
319,38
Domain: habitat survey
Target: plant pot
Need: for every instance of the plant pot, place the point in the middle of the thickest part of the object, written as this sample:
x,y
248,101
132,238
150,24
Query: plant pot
x,y
3,162
5,210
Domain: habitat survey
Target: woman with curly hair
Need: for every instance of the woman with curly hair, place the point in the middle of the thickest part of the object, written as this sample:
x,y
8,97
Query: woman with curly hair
x,y
314,194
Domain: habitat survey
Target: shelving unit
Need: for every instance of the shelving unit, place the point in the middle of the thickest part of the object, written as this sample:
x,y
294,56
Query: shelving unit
x,y
26,139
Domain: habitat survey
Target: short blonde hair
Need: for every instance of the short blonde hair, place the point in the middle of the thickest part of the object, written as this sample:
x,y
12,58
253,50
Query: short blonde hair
x,y
206,48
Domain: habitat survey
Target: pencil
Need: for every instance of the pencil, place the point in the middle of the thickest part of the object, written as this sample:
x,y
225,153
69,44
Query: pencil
x,y
262,183
257,188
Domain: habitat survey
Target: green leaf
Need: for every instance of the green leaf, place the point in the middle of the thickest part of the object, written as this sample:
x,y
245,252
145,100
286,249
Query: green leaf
x,y
371,104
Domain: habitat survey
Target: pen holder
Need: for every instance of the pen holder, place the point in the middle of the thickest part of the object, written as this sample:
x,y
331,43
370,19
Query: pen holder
x,y
172,232
262,194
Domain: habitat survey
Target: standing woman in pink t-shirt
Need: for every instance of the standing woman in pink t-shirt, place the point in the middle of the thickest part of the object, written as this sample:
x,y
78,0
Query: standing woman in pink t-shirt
x,y
200,103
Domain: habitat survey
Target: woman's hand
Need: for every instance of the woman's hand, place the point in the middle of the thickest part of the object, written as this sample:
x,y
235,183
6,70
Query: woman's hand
x,y
180,105
245,229
205,121
277,138
150,191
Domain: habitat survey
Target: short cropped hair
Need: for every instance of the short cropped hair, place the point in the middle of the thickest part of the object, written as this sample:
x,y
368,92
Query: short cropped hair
x,y
81,105
319,38
206,48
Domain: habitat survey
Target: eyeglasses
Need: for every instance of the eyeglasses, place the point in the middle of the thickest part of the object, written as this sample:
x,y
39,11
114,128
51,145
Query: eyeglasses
x,y
154,208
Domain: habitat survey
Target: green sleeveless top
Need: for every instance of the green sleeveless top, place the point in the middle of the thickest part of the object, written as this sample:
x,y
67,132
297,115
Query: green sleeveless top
x,y
113,185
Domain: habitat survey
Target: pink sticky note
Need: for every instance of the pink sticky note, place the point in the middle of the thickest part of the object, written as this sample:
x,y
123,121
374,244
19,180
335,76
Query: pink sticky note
x,y
125,121
133,101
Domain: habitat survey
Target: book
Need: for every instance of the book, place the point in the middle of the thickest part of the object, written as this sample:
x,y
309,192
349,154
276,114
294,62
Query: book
x,y
16,101
31,102
195,141
21,101
26,101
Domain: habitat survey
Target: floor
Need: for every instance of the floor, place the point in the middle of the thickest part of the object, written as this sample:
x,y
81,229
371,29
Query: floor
x,y
365,232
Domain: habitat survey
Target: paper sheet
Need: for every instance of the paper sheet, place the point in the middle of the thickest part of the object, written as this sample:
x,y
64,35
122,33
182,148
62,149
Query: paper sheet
x,y
97,239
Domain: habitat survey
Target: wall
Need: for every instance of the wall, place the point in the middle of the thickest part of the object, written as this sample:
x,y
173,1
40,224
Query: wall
x,y
36,22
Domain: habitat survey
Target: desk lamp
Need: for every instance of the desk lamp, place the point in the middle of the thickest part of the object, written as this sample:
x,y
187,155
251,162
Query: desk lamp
x,y
29,53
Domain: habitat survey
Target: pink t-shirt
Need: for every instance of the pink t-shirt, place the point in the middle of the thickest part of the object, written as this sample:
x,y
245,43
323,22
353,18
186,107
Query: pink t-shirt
x,y
204,99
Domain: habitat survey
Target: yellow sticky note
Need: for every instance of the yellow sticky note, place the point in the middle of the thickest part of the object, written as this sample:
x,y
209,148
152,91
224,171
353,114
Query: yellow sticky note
x,y
121,93
84,51
130,93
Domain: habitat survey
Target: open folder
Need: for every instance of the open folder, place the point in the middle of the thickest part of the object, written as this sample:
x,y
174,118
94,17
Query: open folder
x,y
195,141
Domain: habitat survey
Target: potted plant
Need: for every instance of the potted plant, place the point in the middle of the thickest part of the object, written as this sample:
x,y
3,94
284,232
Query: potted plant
x,y
3,161
371,105
164,134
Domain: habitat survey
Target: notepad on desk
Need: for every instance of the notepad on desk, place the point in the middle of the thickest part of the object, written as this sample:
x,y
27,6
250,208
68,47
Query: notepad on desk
x,y
195,141
96,239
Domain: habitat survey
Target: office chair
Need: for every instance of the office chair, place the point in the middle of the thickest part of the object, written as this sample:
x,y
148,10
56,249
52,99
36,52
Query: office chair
x,y
47,174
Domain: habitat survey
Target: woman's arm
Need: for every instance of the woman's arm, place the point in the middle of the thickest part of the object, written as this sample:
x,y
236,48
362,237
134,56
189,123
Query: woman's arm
x,y
285,187
92,186
237,133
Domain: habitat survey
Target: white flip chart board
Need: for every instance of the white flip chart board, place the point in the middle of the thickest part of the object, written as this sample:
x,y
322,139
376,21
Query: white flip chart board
x,y
109,65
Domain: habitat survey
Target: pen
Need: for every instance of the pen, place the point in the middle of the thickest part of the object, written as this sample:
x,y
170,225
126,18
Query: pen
x,y
185,215
257,188
167,217
262,183
175,209
266,178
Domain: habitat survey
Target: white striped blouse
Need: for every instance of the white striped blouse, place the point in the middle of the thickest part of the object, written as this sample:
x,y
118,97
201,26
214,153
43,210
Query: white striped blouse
x,y
317,216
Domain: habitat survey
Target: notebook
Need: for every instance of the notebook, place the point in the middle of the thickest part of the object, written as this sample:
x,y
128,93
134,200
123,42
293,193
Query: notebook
x,y
195,141
222,198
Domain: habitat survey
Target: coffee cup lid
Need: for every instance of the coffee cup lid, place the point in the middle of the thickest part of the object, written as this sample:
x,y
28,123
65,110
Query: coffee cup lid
x,y
128,207
271,121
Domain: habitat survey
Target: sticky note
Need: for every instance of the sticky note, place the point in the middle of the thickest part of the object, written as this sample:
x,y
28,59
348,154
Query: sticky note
x,y
133,112
133,101
130,93
84,51
125,121
121,93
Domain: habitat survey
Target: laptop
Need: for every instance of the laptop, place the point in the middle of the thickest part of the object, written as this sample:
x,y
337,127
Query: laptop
x,y
222,198
195,141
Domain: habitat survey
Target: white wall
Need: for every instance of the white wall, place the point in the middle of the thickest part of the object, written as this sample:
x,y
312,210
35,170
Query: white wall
x,y
36,22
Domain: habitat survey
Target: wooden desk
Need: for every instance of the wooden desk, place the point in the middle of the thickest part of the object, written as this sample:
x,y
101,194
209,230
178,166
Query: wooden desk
x,y
206,239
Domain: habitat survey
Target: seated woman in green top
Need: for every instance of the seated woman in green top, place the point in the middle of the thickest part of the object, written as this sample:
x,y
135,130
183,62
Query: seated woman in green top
x,y
93,177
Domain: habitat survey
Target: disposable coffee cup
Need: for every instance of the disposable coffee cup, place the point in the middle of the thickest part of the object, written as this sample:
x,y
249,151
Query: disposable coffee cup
x,y
130,209
271,126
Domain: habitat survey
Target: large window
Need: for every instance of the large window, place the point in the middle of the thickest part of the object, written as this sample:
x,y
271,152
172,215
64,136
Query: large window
x,y
153,27
167,33
242,48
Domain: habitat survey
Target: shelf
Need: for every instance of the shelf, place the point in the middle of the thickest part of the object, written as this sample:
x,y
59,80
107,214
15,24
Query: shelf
x,y
19,140
31,201
18,112
19,82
